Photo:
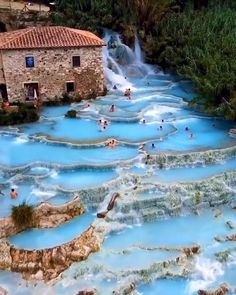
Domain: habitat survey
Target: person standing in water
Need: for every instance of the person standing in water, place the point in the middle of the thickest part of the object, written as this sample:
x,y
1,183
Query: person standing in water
x,y
13,193
128,93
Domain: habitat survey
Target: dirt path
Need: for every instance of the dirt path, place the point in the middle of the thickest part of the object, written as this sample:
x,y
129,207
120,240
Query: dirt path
x,y
20,5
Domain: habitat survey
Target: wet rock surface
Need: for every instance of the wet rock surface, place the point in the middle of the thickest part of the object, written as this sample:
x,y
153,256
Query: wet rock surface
x,y
47,264
222,290
45,216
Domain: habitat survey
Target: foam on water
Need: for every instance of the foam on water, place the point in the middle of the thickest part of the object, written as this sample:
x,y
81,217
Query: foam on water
x,y
206,274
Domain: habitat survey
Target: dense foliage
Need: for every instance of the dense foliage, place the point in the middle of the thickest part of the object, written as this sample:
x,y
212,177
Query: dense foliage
x,y
201,46
123,15
22,113
22,214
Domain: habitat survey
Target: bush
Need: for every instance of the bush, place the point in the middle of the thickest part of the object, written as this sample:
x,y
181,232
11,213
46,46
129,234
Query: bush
x,y
71,114
26,113
22,215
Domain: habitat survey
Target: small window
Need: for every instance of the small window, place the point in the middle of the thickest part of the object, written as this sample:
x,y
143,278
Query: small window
x,y
76,61
70,87
29,62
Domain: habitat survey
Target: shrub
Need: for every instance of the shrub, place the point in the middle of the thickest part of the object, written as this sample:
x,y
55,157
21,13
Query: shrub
x,y
71,114
26,113
22,214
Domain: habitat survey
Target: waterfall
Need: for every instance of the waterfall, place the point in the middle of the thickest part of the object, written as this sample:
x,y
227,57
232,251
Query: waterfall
x,y
121,62
137,50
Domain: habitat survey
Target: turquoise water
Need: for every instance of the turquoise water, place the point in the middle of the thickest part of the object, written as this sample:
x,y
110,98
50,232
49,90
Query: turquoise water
x,y
187,173
13,149
80,179
81,161
175,231
47,238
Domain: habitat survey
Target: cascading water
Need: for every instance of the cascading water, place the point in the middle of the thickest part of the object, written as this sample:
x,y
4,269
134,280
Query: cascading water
x,y
121,63
171,167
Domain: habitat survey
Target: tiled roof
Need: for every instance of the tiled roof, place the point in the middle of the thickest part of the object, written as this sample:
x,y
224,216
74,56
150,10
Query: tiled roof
x,y
48,37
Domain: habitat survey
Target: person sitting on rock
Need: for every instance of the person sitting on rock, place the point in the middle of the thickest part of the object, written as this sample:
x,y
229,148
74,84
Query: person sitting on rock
x,y
13,193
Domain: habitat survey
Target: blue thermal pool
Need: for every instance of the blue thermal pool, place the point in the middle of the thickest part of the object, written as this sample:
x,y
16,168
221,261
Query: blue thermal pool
x,y
57,157
51,237
175,231
18,151
186,173
80,179
31,194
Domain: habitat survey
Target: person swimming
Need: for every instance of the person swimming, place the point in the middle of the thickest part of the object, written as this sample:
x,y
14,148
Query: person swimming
x,y
186,129
112,108
112,143
103,128
13,193
161,128
153,145
191,136
86,106
144,121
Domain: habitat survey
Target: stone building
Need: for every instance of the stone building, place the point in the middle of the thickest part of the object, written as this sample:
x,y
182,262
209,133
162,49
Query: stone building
x,y
46,62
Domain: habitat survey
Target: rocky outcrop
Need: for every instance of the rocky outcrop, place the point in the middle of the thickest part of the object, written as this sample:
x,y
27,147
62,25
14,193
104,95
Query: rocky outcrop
x,y
222,290
47,264
128,289
110,206
192,158
190,251
45,216
87,292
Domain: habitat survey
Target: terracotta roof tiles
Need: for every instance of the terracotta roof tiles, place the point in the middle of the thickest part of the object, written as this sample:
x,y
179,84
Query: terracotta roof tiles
x,y
48,37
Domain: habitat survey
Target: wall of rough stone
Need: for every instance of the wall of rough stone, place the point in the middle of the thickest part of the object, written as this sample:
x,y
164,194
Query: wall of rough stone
x,y
53,68
46,264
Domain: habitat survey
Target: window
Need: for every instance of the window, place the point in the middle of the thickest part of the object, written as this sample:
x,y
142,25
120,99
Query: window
x,y
29,62
70,87
76,61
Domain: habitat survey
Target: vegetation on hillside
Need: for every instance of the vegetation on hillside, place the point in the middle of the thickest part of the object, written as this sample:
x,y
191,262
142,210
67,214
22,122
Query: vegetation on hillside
x,y
202,47
195,38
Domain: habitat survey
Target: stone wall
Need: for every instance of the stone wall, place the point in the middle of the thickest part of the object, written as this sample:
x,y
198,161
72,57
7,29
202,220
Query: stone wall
x,y
53,68
45,216
47,264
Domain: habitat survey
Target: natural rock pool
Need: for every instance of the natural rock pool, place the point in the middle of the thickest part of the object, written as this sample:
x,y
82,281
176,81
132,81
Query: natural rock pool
x,y
176,194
